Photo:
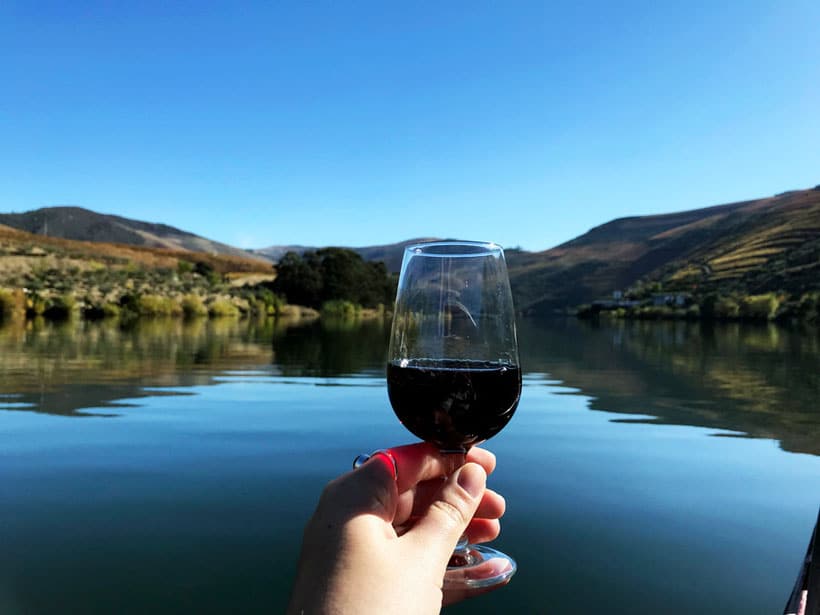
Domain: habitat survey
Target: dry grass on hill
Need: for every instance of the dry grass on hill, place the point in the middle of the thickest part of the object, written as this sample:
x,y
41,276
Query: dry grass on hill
x,y
20,251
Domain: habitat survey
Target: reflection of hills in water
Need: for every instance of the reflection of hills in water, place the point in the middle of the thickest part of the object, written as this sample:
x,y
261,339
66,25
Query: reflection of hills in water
x,y
67,368
756,380
762,381
87,369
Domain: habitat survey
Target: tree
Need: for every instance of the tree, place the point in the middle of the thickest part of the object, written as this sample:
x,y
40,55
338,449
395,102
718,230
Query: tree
x,y
299,280
333,274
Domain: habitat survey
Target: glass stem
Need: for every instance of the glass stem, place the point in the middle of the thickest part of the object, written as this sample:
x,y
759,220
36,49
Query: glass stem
x,y
461,554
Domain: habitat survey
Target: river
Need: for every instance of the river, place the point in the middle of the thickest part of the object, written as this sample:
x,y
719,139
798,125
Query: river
x,y
170,466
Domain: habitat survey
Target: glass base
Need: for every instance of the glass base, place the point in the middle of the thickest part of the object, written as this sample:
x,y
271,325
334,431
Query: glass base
x,y
475,566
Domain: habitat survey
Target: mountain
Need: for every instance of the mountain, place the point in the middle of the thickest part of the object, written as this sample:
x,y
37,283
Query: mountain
x,y
755,246
22,252
749,247
391,254
85,225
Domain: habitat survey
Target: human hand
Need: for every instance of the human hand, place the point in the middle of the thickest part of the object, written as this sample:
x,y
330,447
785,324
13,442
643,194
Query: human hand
x,y
379,545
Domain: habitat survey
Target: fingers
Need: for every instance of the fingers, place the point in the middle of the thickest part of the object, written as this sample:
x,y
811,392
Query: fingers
x,y
478,531
373,489
447,517
368,489
483,457
492,506
423,461
483,530
414,503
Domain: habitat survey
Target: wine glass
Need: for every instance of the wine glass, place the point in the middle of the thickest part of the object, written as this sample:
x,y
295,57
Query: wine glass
x,y
453,374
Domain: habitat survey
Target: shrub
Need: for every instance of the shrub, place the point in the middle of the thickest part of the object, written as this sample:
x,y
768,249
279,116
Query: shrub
x,y
97,311
155,305
11,302
222,307
726,307
809,307
267,302
111,310
339,308
6,305
60,307
257,307
651,312
759,307
192,306
129,303
35,305
207,271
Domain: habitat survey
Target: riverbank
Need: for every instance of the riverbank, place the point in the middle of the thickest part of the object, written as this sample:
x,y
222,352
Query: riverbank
x,y
768,307
240,302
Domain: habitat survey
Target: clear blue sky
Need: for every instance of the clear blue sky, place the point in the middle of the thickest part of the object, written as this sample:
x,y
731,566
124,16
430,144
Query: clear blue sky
x,y
362,123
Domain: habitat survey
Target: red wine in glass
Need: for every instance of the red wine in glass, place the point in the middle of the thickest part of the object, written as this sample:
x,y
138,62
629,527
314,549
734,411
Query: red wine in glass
x,y
453,403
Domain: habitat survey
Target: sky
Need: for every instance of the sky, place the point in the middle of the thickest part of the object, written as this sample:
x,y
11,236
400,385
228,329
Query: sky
x,y
364,123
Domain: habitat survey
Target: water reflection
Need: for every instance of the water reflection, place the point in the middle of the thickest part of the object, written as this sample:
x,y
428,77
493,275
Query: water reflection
x,y
71,367
332,348
81,368
757,381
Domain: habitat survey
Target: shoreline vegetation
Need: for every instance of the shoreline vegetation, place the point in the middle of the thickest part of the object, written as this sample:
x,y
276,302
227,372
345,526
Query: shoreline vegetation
x,y
48,281
777,307
17,305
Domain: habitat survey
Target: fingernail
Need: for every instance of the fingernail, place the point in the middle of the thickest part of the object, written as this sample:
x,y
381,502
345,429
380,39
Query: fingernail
x,y
472,479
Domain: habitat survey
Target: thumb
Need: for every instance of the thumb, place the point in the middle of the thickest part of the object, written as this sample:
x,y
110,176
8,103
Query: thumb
x,y
439,529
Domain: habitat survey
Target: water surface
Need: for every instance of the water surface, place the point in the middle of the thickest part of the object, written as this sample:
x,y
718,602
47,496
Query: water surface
x,y
170,467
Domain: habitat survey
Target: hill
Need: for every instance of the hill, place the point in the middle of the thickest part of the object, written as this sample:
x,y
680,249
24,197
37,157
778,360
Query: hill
x,y
756,246
85,225
21,252
749,247
54,277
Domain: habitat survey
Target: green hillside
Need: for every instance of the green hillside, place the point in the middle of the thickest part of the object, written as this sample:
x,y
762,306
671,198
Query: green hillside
x,y
776,247
751,247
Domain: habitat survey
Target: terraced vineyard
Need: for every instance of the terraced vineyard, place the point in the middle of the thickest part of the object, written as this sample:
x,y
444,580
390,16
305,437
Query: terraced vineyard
x,y
777,248
750,247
